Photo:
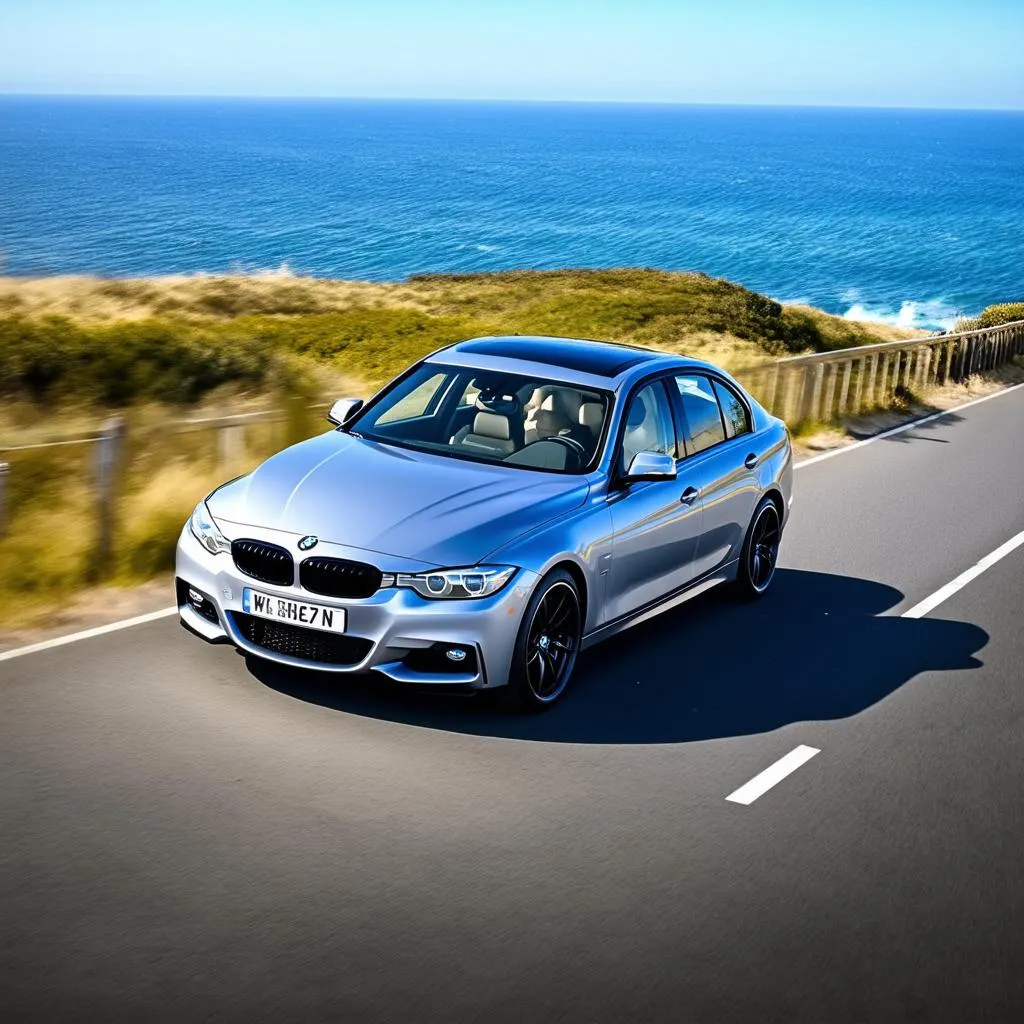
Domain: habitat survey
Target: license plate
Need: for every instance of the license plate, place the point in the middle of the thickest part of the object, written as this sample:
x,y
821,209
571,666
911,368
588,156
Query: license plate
x,y
298,613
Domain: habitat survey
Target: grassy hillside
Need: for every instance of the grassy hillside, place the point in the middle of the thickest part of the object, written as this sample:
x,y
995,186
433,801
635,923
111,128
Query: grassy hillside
x,y
175,339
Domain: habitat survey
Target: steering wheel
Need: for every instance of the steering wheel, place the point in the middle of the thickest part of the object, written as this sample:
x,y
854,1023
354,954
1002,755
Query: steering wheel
x,y
571,443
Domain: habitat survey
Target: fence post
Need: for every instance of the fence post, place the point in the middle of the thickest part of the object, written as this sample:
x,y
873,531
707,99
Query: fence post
x,y
801,394
844,389
920,366
771,388
883,380
831,371
108,457
858,389
812,402
230,442
947,361
785,411
908,358
4,470
869,381
926,373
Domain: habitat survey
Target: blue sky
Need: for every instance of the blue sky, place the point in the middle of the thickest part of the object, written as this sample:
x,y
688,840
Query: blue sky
x,y
900,53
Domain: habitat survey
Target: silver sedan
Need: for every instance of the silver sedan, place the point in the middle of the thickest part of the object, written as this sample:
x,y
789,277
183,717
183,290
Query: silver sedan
x,y
501,505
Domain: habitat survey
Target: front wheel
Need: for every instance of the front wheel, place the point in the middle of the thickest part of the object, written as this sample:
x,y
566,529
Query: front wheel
x,y
547,644
760,551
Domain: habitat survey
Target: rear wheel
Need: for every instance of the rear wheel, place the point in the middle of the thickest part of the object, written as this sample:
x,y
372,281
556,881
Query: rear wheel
x,y
547,644
760,550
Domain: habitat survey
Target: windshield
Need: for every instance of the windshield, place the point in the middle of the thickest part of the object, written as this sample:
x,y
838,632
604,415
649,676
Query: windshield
x,y
523,421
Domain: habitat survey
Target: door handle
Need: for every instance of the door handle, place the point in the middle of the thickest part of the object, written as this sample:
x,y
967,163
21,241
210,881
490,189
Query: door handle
x,y
750,461
689,496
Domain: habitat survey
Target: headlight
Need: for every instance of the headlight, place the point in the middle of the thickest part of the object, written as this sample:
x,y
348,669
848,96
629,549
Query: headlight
x,y
477,581
204,529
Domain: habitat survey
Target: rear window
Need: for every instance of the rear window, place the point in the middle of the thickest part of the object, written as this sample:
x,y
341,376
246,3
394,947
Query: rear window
x,y
703,419
734,412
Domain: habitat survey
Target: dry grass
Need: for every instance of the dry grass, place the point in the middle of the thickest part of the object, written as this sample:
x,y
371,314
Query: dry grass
x,y
657,308
48,553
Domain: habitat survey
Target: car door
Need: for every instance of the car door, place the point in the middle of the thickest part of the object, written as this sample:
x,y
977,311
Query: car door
x,y
656,523
721,459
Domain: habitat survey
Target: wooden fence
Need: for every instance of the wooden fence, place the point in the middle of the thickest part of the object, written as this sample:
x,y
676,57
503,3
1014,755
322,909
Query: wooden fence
x,y
826,386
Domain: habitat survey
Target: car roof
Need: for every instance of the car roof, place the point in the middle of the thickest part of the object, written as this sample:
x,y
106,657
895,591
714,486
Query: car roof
x,y
599,364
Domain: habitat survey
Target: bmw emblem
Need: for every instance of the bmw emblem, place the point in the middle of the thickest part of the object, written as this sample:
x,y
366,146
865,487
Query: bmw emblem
x,y
308,542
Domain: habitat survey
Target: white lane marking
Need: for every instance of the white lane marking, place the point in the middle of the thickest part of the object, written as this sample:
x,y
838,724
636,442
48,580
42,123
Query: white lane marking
x,y
922,608
85,634
772,775
905,427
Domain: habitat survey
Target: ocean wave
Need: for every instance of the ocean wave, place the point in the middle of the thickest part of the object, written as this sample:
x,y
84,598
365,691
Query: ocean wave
x,y
930,314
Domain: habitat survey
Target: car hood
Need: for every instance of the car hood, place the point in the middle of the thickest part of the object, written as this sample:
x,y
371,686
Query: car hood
x,y
412,505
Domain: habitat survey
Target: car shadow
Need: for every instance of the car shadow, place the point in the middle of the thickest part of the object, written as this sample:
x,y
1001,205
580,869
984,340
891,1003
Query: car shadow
x,y
816,647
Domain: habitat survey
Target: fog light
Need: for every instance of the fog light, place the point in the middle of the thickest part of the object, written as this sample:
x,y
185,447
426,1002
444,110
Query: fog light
x,y
196,600
455,654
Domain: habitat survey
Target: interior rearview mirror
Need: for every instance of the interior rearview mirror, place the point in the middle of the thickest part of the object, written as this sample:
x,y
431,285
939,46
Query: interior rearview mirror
x,y
344,409
651,466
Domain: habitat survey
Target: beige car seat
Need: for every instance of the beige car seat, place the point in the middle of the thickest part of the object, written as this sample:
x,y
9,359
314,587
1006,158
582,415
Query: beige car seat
x,y
552,411
490,432
641,433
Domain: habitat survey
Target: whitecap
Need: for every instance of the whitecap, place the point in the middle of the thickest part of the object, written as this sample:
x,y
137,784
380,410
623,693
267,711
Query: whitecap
x,y
929,314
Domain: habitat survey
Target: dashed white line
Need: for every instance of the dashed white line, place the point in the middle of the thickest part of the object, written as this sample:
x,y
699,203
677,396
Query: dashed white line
x,y
772,775
922,608
85,634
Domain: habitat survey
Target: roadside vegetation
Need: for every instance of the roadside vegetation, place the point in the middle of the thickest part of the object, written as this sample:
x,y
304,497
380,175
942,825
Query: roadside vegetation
x,y
993,316
115,342
74,350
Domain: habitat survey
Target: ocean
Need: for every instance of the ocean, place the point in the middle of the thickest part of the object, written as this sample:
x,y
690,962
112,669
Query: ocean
x,y
903,216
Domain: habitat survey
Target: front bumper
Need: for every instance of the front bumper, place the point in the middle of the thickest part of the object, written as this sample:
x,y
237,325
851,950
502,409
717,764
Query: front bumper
x,y
391,632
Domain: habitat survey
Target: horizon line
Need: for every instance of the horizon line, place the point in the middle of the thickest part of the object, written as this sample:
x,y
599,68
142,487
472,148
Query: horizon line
x,y
500,100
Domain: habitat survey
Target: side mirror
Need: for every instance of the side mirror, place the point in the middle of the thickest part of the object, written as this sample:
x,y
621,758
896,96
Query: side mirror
x,y
344,409
651,466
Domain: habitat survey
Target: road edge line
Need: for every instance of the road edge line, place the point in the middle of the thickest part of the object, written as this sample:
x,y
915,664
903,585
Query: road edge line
x,y
86,634
904,427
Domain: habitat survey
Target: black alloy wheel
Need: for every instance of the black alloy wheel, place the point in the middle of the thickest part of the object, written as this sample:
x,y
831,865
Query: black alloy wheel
x,y
760,550
548,643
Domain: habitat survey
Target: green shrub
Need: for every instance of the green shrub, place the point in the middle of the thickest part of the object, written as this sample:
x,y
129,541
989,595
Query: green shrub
x,y
1002,313
123,362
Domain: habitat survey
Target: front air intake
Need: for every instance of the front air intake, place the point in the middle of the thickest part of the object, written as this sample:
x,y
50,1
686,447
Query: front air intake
x,y
310,645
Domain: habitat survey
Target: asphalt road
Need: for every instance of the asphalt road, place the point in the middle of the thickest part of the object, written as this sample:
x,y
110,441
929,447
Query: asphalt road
x,y
188,837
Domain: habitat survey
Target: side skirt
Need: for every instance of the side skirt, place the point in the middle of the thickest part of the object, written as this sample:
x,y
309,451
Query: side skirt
x,y
723,574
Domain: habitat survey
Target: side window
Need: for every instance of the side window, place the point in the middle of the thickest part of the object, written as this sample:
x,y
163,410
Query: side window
x,y
703,420
415,403
734,412
648,424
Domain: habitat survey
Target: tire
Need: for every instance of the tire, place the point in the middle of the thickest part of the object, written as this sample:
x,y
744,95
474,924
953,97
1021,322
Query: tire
x,y
547,644
760,552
